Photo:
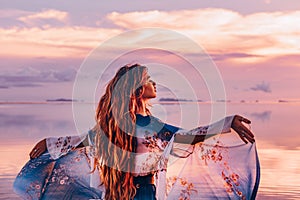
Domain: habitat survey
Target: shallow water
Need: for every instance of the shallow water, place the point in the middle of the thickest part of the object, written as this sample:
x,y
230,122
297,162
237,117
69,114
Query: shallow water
x,y
275,127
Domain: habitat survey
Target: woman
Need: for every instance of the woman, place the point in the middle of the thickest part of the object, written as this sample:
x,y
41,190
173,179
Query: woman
x,y
125,155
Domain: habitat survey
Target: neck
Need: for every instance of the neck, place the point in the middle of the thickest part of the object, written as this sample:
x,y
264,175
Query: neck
x,y
142,109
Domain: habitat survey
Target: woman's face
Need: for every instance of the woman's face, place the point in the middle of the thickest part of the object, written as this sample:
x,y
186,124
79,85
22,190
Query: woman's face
x,y
149,89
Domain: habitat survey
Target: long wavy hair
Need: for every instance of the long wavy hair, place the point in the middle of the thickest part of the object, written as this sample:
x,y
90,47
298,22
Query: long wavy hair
x,y
115,140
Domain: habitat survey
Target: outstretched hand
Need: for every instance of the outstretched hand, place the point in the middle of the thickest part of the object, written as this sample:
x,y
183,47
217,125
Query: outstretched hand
x,y
38,149
244,133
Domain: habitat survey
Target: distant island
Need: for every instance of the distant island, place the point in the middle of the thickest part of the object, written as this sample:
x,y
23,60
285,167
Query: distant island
x,y
166,100
174,99
189,100
282,101
223,101
61,100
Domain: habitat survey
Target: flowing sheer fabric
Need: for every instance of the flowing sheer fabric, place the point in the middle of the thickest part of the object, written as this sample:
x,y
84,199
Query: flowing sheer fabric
x,y
63,172
220,167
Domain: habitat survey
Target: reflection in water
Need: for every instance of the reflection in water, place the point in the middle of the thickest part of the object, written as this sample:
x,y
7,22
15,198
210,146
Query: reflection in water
x,y
280,177
9,120
277,140
27,123
263,116
29,127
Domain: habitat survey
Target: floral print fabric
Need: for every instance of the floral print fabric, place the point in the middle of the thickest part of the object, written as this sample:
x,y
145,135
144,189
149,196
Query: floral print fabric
x,y
220,167
215,171
65,178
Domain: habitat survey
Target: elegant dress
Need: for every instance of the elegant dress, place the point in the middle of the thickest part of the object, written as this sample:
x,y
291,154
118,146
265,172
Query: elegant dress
x,y
221,167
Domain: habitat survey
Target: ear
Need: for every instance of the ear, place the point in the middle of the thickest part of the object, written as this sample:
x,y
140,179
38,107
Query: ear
x,y
139,92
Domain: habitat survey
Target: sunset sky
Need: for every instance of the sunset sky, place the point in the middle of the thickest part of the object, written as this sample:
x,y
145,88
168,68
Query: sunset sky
x,y
255,44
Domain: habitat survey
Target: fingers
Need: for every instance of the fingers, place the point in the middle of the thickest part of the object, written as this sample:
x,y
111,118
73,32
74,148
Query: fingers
x,y
242,119
246,130
244,133
247,121
38,149
35,152
248,136
243,138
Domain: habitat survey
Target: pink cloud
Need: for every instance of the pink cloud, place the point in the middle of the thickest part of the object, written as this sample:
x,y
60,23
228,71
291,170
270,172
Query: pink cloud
x,y
262,35
52,41
46,14
13,13
225,31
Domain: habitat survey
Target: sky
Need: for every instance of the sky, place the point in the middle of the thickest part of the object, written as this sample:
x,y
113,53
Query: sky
x,y
254,45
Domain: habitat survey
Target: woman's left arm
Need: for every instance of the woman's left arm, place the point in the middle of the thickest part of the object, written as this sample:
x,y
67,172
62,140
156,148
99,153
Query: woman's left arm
x,y
199,134
244,133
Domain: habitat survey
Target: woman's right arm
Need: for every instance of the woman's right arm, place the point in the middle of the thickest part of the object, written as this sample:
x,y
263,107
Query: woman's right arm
x,y
58,146
38,149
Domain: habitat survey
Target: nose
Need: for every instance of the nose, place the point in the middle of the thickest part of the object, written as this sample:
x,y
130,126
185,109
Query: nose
x,y
153,83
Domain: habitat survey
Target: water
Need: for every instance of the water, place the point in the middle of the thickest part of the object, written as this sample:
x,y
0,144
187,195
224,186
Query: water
x,y
275,126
